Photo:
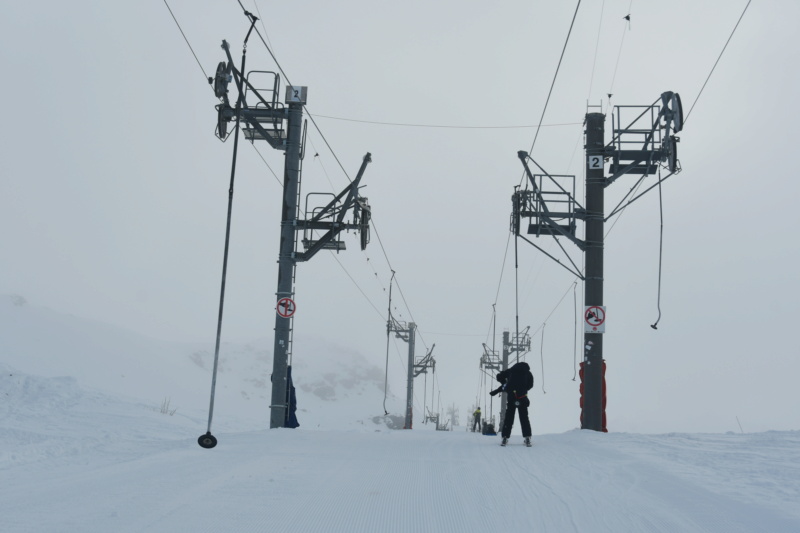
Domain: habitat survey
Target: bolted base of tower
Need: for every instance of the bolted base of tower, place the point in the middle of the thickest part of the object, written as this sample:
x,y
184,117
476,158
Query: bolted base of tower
x,y
587,420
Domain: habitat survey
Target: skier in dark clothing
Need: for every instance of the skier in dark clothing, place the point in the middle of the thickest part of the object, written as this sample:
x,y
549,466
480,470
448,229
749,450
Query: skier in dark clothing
x,y
516,382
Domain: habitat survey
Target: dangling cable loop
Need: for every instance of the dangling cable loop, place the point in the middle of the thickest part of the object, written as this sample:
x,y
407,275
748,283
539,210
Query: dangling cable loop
x,y
660,248
575,331
388,332
541,354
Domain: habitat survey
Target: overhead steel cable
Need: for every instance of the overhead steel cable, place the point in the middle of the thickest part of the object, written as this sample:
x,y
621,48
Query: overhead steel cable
x,y
205,76
555,76
446,126
265,162
619,54
255,2
533,144
357,285
596,48
308,112
277,63
544,322
333,153
389,263
502,270
717,61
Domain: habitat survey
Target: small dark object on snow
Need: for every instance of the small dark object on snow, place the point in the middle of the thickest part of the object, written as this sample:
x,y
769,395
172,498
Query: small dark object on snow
x,y
207,441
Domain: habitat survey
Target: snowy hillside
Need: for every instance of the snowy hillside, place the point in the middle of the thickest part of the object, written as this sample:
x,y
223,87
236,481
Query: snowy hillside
x,y
77,460
99,427
343,388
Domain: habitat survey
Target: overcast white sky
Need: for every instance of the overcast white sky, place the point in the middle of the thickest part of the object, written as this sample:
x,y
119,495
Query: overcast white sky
x,y
114,188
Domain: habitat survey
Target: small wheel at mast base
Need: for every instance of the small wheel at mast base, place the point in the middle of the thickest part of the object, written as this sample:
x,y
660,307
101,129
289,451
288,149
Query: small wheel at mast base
x,y
207,441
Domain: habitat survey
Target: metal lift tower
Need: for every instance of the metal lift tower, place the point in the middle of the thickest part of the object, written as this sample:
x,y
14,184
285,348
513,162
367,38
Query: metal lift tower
x,y
640,146
280,124
491,360
408,333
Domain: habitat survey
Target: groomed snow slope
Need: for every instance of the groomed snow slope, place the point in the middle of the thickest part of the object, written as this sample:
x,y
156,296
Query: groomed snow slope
x,y
80,460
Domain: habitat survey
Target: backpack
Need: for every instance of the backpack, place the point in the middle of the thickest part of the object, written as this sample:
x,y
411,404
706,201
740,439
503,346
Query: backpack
x,y
517,377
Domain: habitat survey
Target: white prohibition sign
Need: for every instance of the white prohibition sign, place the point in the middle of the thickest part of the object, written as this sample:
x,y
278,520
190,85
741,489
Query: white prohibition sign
x,y
594,318
595,162
286,307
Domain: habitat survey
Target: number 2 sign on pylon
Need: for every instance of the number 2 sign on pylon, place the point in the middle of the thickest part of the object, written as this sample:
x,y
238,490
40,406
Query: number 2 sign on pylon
x,y
286,307
594,319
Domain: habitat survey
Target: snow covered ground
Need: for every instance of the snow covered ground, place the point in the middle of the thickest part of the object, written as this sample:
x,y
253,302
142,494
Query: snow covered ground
x,y
78,455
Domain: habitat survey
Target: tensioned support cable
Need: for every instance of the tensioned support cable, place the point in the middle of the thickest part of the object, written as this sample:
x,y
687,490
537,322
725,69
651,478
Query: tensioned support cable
x,y
555,76
553,84
205,76
445,126
575,272
314,122
657,184
717,61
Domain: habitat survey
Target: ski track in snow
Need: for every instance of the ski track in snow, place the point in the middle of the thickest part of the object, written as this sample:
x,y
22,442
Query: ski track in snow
x,y
77,459
393,481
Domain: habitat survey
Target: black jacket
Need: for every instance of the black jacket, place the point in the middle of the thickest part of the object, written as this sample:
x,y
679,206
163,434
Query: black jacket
x,y
517,380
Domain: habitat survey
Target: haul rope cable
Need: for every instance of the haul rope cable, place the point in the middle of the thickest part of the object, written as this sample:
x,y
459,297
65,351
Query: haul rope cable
x,y
660,180
596,47
534,142
541,119
497,294
717,61
208,438
446,126
555,76
269,50
619,54
323,138
205,76
314,122
326,142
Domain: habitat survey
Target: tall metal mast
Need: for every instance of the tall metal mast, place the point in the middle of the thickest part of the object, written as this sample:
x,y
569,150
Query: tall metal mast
x,y
280,124
593,398
550,206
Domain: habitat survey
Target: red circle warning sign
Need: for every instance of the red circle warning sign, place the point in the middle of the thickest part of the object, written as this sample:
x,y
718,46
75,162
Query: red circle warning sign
x,y
594,318
286,307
